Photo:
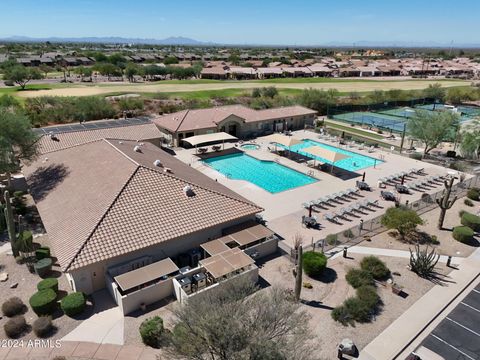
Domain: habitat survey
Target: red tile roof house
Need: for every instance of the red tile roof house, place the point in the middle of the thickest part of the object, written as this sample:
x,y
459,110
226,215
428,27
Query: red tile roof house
x,y
112,206
237,120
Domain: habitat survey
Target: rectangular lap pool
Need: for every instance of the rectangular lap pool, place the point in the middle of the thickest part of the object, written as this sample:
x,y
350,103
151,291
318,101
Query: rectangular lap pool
x,y
268,175
354,162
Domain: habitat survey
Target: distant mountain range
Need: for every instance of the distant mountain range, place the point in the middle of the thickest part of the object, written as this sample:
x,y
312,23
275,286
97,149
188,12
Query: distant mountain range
x,y
179,40
173,40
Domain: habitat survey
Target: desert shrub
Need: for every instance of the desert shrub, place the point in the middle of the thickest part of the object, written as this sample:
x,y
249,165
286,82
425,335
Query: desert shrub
x,y
473,194
48,283
468,202
13,306
358,309
434,240
19,260
44,302
331,239
43,267
348,234
358,277
471,220
18,194
461,212
151,331
307,285
376,267
342,315
368,295
42,327
25,241
314,263
416,156
402,219
74,303
15,326
464,234
42,253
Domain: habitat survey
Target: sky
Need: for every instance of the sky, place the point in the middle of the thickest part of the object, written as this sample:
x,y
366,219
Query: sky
x,y
291,22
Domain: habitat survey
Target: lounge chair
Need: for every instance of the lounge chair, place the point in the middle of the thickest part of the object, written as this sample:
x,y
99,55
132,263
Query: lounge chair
x,y
330,217
309,221
372,203
352,191
307,205
402,189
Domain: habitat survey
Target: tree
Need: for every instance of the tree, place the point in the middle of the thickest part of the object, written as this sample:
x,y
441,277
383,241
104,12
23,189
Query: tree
x,y
470,140
131,70
8,101
84,72
232,322
45,69
21,75
435,91
445,202
318,100
108,70
17,141
170,60
402,219
432,127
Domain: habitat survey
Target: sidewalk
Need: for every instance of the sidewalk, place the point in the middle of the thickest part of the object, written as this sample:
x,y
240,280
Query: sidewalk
x,y
406,328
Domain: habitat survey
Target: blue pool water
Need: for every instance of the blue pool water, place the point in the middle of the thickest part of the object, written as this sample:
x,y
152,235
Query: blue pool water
x,y
268,175
354,162
250,146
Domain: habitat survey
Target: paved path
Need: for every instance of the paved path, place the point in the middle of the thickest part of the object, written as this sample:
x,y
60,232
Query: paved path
x,y
411,323
104,327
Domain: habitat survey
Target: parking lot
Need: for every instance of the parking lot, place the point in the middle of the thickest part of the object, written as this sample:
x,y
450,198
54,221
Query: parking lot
x,y
457,337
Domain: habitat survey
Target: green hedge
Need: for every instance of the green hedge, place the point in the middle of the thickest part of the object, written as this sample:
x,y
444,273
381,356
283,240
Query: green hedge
x,y
151,331
42,253
73,303
471,220
48,283
376,267
43,267
473,194
464,234
314,263
358,277
44,302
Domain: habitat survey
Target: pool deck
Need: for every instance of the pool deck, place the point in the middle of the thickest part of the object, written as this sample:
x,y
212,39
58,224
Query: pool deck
x,y
283,211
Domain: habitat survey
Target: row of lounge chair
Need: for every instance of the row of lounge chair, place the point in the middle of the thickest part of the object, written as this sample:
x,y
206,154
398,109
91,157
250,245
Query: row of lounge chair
x,y
351,210
400,175
326,200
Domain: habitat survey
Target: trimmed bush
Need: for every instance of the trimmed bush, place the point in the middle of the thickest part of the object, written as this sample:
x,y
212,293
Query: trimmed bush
x,y
416,156
358,309
342,315
13,306
44,302
73,303
358,277
42,253
376,267
473,194
464,234
43,267
15,326
42,327
151,331
471,220
468,202
48,283
368,294
314,263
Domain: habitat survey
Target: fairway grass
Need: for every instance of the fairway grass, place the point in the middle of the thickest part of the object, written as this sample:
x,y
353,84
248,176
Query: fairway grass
x,y
224,88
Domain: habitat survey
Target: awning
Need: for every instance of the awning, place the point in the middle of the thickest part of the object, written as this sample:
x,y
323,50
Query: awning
x,y
282,140
247,236
145,274
209,138
214,247
226,263
325,154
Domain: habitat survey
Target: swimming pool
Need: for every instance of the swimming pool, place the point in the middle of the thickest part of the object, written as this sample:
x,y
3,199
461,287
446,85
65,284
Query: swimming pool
x,y
268,175
354,162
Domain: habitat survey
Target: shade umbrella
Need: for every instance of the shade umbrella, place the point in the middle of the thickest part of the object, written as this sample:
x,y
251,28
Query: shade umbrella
x,y
329,155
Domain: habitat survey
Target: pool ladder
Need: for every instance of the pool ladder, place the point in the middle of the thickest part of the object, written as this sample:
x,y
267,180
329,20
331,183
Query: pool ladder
x,y
228,175
311,173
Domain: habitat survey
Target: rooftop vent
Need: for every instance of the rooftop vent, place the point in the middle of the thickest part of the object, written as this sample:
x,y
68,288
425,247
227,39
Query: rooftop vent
x,y
157,163
120,142
137,149
188,191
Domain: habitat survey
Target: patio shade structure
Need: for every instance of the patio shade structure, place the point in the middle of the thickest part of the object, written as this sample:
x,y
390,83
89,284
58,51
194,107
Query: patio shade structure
x,y
281,139
329,155
209,138
145,274
226,262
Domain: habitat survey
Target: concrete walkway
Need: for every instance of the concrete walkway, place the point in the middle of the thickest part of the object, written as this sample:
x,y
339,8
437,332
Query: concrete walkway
x,y
411,323
103,327
338,251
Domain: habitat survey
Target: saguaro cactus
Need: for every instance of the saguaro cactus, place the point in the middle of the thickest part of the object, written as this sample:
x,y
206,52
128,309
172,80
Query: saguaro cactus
x,y
444,202
298,272
10,223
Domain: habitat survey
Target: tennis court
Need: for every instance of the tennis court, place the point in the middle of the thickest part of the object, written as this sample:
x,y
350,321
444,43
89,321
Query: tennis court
x,y
379,120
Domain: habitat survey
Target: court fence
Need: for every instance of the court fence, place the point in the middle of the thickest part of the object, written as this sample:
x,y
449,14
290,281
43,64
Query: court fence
x,y
369,228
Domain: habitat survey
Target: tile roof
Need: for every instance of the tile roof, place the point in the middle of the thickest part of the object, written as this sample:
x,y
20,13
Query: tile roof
x,y
188,120
74,138
102,199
